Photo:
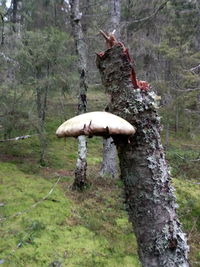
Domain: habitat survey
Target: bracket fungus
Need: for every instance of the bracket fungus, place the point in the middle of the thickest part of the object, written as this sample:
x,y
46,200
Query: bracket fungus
x,y
95,123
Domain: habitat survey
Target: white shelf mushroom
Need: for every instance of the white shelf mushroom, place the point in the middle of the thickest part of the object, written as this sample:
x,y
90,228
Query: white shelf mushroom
x,y
95,123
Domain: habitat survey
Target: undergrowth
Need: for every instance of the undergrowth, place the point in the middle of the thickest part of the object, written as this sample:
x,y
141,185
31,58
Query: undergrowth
x,y
75,229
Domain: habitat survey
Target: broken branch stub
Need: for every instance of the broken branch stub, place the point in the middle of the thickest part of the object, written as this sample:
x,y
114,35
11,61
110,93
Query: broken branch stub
x,y
95,123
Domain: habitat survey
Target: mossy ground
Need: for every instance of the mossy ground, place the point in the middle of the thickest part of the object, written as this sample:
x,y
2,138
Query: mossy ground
x,y
78,229
75,229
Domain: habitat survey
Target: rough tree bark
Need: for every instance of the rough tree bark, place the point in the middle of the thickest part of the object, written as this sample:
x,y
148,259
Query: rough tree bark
x,y
150,200
80,173
109,163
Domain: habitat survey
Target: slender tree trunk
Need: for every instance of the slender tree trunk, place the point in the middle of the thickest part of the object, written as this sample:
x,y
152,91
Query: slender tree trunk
x,y
176,119
115,16
149,196
80,173
41,103
14,11
166,136
109,163
2,29
16,16
41,100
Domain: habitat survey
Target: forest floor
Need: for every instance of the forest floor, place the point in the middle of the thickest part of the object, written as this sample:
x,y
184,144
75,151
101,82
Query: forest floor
x,y
45,223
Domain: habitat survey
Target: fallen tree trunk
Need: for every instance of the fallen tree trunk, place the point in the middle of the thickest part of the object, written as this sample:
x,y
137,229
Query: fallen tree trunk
x,y
150,200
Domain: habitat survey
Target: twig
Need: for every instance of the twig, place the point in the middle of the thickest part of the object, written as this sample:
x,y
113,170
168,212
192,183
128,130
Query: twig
x,y
195,70
152,15
187,90
18,138
2,261
35,204
8,59
191,160
193,227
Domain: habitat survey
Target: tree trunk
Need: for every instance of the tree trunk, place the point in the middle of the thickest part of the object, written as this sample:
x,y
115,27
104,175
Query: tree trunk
x,y
80,173
2,29
109,163
41,101
115,15
81,164
176,120
166,136
149,196
16,16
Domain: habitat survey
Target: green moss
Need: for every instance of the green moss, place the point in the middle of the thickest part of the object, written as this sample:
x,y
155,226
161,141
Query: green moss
x,y
189,201
188,198
47,232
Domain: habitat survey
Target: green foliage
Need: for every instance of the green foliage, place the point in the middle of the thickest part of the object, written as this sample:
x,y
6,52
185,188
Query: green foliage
x,y
165,47
44,59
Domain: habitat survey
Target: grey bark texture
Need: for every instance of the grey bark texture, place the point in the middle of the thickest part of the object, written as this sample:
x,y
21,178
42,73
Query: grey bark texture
x,y
109,165
81,49
115,16
149,197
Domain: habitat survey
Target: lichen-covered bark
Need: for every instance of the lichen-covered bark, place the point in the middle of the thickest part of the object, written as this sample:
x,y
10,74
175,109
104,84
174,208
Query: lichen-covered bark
x,y
81,165
80,181
149,196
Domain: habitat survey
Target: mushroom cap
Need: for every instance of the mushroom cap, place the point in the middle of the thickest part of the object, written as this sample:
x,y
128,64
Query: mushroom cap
x,y
95,123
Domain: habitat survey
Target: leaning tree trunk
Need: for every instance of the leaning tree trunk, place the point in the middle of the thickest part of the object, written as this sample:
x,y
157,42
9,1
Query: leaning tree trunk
x,y
149,196
109,163
81,165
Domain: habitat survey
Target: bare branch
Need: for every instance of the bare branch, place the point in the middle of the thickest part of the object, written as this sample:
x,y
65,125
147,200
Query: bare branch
x,y
18,138
8,59
195,70
187,90
152,15
191,160
192,111
35,204
104,35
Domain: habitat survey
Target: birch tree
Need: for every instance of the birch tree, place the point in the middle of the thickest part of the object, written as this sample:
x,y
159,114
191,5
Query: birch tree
x,y
109,164
81,165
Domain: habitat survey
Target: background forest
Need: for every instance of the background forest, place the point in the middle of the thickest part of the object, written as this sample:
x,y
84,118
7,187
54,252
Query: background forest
x,y
44,222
